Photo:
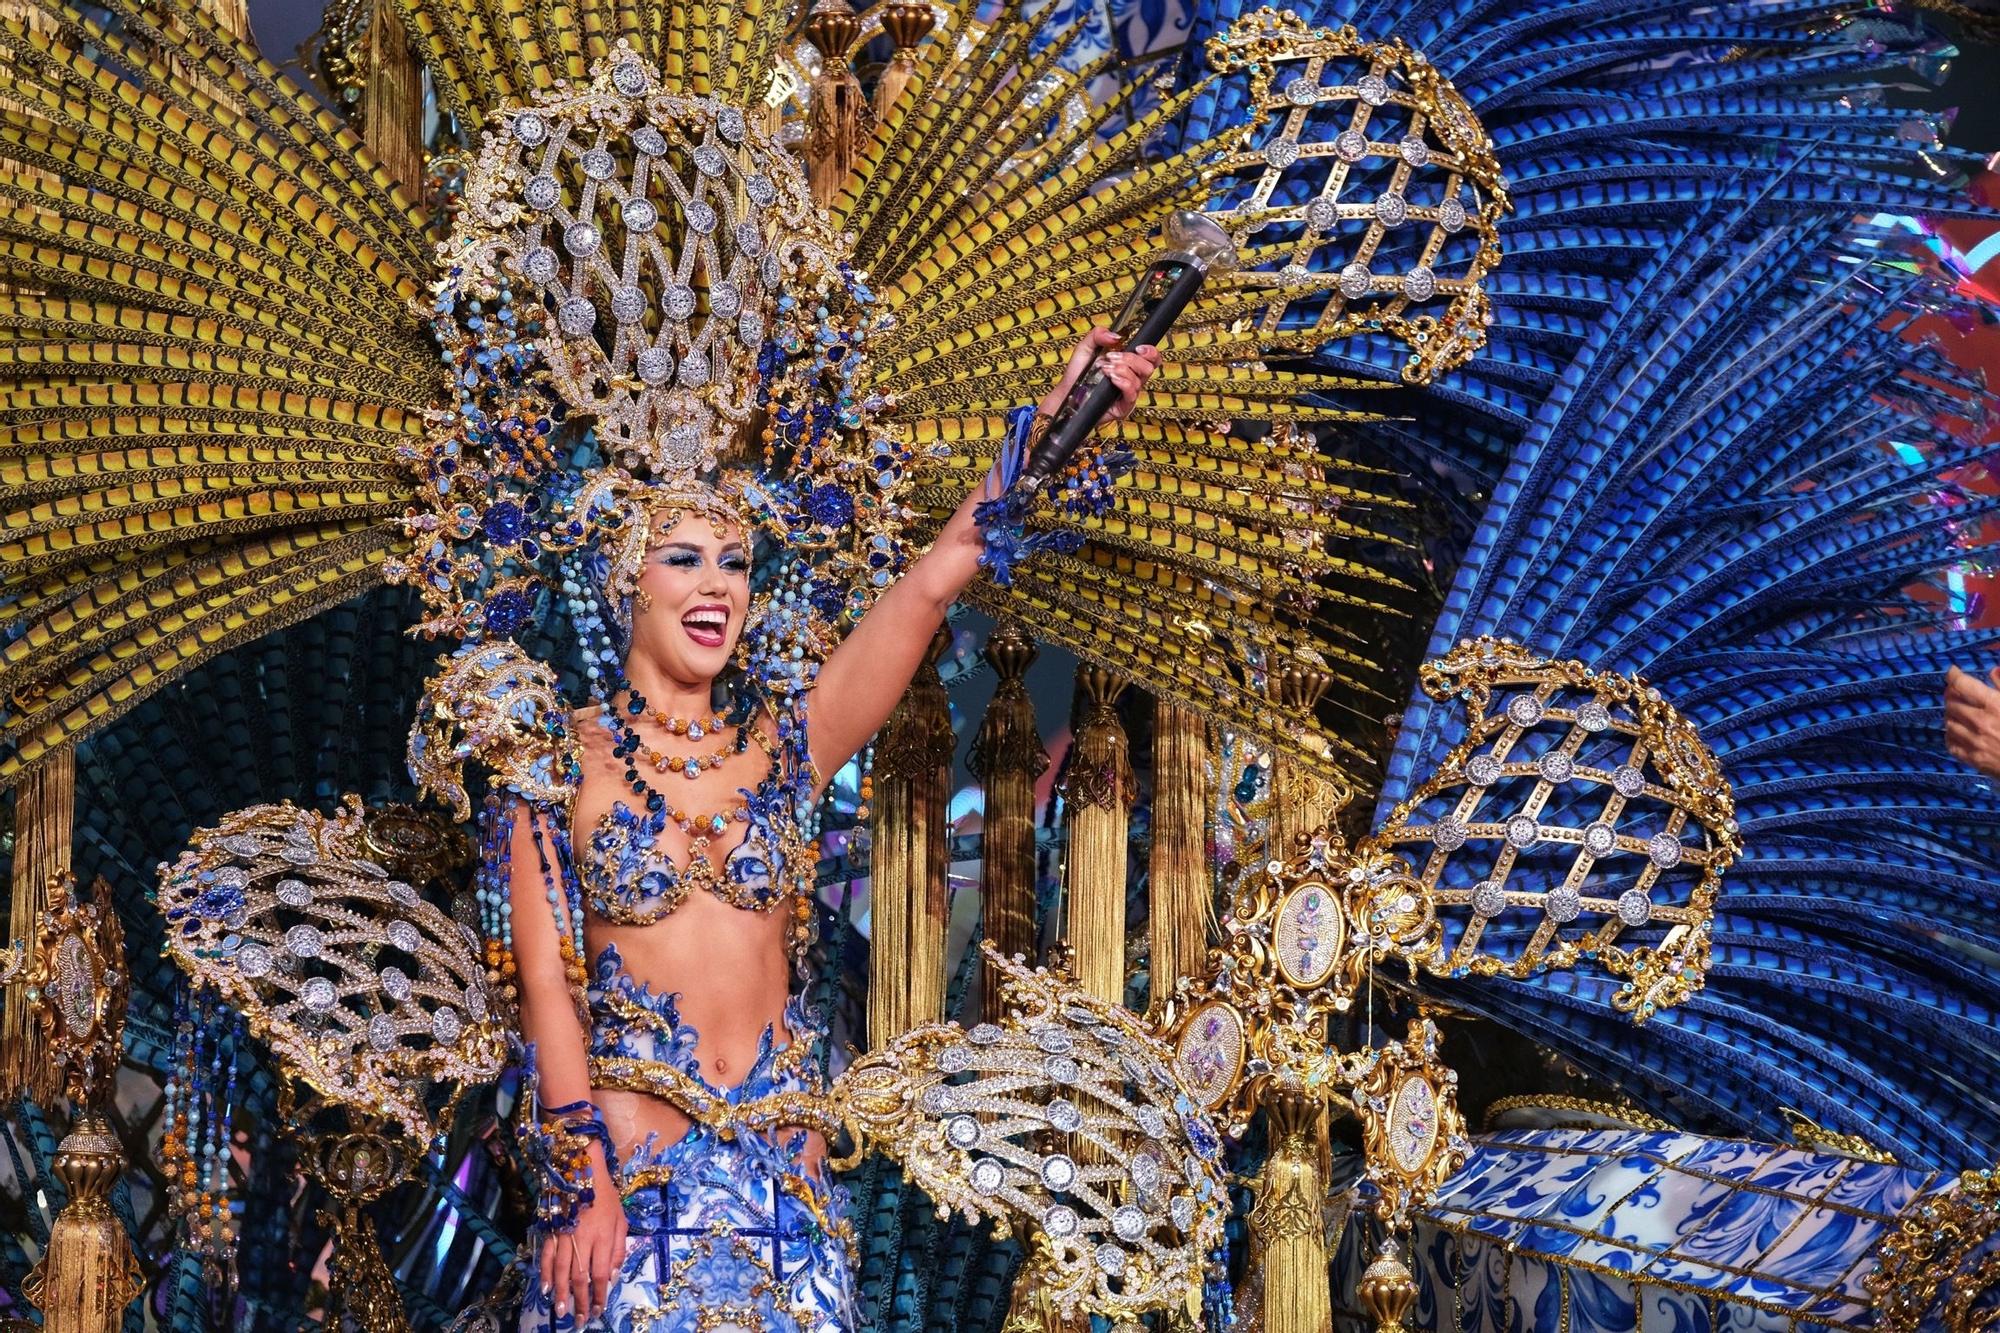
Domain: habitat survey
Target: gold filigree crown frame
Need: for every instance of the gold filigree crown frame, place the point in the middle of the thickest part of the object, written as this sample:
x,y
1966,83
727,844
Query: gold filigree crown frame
x,y
657,229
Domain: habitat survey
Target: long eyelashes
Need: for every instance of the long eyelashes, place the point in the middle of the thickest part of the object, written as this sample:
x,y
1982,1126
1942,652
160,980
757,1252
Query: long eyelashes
x,y
731,564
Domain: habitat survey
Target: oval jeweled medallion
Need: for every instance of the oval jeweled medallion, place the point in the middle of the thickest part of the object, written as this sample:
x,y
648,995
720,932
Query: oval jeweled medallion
x,y
1413,1124
1209,1053
1308,934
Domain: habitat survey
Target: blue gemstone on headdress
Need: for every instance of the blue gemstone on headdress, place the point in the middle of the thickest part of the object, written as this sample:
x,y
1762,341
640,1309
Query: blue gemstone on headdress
x,y
829,599
830,506
504,523
506,612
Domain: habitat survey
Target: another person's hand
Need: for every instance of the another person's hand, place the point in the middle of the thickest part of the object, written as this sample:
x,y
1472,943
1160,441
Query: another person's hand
x,y
1972,719
1128,369
581,1266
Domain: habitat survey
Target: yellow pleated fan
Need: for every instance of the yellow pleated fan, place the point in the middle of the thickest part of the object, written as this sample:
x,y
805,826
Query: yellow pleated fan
x,y
483,53
211,361
999,218
208,359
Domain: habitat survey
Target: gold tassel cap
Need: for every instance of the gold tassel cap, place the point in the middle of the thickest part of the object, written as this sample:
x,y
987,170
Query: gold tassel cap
x,y
907,22
1303,803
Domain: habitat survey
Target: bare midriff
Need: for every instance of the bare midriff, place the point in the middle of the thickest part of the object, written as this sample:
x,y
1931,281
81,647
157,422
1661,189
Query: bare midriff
x,y
729,968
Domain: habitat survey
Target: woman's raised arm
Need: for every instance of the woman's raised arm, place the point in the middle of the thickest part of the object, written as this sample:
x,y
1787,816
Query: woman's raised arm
x,y
862,680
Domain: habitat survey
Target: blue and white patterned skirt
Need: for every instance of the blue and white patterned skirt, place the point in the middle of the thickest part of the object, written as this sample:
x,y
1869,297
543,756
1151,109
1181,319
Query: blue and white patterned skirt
x,y
725,1234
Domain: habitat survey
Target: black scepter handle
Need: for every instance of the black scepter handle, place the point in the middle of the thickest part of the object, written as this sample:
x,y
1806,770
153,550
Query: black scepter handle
x,y
1196,247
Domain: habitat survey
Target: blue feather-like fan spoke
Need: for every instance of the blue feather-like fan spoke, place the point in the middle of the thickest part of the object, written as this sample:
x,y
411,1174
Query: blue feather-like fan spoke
x,y
1701,445
1731,494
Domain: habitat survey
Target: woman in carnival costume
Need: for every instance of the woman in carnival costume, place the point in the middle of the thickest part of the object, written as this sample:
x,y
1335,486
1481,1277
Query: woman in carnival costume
x,y
686,837
655,864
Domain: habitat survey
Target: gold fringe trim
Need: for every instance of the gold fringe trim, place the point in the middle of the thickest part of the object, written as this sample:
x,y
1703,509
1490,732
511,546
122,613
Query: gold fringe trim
x,y
1097,797
44,824
1181,904
909,858
1007,757
392,100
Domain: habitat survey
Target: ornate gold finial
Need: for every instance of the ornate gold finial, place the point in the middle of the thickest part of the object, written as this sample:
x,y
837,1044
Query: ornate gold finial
x,y
355,1167
1387,1289
907,22
76,971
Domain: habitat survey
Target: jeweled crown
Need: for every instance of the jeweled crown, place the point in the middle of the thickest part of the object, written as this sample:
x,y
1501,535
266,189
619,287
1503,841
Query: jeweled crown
x,y
657,229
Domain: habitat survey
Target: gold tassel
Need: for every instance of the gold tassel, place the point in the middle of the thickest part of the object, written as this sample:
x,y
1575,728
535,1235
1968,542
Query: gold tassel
x,y
1288,1221
392,101
1181,901
88,1275
44,815
907,22
909,857
1097,801
1303,803
834,118
1007,757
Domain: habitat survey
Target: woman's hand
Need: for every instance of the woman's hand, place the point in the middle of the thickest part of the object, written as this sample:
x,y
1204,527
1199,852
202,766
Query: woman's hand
x,y
580,1266
1129,370
1972,720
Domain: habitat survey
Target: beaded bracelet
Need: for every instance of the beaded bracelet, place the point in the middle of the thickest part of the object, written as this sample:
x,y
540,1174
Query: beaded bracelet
x,y
556,1141
1081,490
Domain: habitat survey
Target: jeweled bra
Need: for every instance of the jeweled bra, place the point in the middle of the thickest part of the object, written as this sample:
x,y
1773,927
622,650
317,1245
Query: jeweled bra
x,y
626,882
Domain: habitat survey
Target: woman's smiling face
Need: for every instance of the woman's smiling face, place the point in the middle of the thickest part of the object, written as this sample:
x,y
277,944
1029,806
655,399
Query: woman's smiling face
x,y
695,596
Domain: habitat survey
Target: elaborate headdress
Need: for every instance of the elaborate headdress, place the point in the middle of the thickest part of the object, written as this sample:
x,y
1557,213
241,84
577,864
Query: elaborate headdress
x,y
651,263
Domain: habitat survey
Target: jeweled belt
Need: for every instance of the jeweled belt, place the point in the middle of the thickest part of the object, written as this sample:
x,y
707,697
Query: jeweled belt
x,y
793,1108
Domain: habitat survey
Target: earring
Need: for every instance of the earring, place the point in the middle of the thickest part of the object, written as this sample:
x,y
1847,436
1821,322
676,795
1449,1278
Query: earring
x,y
643,598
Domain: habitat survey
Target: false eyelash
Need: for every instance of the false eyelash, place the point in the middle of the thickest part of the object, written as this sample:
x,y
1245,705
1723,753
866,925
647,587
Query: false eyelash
x,y
682,560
